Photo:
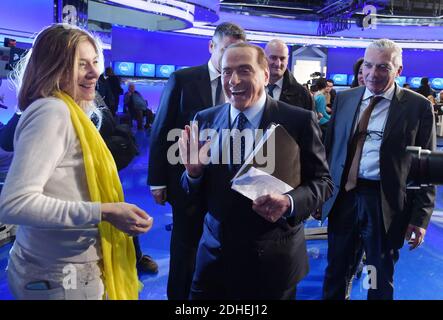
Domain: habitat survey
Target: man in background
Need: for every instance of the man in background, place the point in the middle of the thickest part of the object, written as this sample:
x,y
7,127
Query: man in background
x,y
282,84
115,85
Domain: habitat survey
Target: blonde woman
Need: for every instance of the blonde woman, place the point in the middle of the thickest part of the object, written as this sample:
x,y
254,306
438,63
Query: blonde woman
x,y
62,188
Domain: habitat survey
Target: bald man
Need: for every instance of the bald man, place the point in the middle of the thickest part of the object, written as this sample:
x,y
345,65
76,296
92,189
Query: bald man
x,y
282,84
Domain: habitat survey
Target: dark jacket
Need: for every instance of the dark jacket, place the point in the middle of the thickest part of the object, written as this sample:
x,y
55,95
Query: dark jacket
x,y
294,93
410,122
250,257
187,92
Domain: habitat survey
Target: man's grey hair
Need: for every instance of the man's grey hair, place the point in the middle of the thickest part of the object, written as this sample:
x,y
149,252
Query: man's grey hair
x,y
386,44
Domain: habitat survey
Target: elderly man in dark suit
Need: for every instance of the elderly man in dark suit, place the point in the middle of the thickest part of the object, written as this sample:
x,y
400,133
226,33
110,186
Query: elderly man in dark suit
x,y
282,84
371,207
187,92
251,249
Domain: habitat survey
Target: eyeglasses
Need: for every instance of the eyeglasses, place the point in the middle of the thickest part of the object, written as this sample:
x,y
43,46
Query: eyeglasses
x,y
374,135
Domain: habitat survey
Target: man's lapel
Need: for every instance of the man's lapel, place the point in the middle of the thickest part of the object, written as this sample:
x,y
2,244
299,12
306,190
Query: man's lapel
x,y
220,147
396,111
270,113
351,112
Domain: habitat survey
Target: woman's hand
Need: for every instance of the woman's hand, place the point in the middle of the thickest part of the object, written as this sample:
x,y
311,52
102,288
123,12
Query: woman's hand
x,y
127,217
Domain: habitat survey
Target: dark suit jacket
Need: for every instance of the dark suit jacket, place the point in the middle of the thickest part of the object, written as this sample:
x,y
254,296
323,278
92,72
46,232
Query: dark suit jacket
x,y
259,259
410,123
294,93
187,92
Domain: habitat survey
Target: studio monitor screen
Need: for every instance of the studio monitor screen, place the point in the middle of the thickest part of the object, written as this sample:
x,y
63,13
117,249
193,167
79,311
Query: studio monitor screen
x,y
145,70
414,82
164,70
124,69
436,83
340,79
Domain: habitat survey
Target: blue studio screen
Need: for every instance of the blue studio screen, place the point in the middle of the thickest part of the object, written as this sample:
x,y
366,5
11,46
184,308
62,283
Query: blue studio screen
x,y
414,82
124,69
436,83
164,70
145,70
340,79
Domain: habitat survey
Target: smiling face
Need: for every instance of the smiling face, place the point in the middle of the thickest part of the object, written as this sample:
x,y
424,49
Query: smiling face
x,y
277,54
88,71
244,79
379,70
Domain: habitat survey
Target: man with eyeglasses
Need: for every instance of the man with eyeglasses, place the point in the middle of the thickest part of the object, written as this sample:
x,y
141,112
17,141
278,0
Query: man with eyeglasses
x,y
366,146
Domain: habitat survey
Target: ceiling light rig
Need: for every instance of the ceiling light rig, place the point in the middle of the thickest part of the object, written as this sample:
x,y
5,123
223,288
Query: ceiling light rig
x,y
336,15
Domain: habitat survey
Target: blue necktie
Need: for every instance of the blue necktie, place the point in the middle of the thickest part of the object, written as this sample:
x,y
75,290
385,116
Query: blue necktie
x,y
271,88
238,142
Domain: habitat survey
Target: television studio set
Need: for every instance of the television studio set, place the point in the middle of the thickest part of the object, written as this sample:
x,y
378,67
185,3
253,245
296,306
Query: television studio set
x,y
234,151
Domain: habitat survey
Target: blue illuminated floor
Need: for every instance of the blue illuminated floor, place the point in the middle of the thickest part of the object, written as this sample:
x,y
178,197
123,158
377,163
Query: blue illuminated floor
x,y
418,273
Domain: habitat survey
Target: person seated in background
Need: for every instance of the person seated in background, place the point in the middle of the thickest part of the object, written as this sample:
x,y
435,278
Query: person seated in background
x,y
62,188
137,106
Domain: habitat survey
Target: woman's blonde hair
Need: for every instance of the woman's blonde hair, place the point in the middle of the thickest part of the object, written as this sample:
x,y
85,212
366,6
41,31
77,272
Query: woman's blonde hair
x,y
52,63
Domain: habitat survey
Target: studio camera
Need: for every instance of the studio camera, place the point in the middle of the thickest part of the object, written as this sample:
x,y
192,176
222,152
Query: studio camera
x,y
426,167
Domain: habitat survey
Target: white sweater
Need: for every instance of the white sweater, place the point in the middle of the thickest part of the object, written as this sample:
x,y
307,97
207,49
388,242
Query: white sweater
x,y
46,192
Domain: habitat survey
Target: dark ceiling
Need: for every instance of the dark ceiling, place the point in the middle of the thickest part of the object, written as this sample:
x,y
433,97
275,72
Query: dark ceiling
x,y
390,11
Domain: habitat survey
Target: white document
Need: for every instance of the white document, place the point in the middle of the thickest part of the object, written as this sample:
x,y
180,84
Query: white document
x,y
256,183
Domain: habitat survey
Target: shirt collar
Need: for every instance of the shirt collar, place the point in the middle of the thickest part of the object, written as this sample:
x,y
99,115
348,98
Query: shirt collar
x,y
388,94
253,113
213,73
279,83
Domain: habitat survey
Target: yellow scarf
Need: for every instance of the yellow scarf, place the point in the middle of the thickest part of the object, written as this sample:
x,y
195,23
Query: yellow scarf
x,y
119,271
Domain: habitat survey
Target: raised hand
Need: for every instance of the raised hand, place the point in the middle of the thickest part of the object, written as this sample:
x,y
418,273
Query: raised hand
x,y
194,155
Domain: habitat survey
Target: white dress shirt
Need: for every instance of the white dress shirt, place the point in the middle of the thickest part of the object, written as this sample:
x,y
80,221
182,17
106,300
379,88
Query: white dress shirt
x,y
213,76
276,93
370,158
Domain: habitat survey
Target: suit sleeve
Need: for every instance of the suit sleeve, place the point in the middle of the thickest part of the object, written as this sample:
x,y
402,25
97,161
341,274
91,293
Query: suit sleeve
x,y
163,123
422,203
329,136
316,186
